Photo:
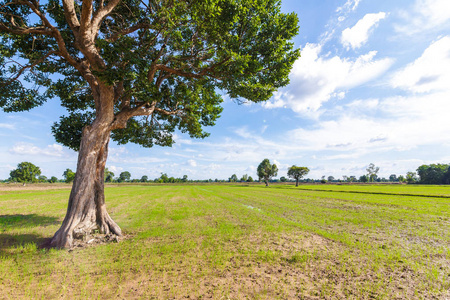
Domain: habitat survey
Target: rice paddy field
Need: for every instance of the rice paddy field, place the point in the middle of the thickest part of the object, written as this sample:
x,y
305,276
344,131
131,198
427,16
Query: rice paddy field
x,y
235,242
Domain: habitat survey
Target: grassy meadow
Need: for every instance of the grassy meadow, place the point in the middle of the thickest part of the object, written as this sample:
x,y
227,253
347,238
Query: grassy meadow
x,y
236,242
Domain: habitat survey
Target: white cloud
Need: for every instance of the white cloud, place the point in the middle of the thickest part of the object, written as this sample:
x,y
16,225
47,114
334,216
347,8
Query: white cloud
x,y
192,163
7,126
30,149
316,78
115,170
407,123
428,73
425,15
350,5
358,35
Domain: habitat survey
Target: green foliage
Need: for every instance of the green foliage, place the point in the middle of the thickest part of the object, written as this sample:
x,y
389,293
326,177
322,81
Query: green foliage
x,y
266,170
53,179
42,178
124,176
68,175
144,178
25,172
434,174
208,49
411,177
244,178
233,178
109,176
364,178
372,172
297,172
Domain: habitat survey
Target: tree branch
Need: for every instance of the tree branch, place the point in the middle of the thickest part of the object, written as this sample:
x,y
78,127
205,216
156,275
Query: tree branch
x,y
71,16
85,20
24,68
101,13
126,31
143,109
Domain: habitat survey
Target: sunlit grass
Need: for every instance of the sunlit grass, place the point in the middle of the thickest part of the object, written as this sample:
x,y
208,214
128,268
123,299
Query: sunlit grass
x,y
235,242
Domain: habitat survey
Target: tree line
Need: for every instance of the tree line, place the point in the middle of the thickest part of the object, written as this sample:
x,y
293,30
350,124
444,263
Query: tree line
x,y
27,172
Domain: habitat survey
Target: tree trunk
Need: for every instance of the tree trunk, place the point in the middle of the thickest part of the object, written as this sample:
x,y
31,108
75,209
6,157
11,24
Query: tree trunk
x,y
86,210
296,182
267,182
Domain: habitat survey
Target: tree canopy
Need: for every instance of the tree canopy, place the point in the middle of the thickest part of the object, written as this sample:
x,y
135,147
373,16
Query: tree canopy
x,y
164,59
297,173
266,170
434,173
68,175
25,172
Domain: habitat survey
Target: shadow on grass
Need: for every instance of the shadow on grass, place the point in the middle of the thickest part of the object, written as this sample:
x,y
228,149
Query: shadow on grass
x,y
9,241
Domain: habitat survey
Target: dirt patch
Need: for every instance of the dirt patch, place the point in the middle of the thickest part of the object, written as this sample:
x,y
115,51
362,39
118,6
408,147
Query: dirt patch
x,y
90,240
33,186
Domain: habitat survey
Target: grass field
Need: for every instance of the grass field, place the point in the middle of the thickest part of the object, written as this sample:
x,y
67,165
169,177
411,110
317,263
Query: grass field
x,y
236,242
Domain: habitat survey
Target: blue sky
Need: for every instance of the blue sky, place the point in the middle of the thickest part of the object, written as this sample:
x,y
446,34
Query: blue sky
x,y
372,86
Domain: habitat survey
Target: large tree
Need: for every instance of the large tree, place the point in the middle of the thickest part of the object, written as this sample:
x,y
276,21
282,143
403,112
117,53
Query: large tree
x,y
266,171
297,173
25,172
136,71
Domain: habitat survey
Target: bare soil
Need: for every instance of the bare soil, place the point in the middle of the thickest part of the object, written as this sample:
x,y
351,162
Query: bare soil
x,y
33,186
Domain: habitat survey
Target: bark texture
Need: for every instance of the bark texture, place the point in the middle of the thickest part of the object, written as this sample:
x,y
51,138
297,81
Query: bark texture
x,y
86,210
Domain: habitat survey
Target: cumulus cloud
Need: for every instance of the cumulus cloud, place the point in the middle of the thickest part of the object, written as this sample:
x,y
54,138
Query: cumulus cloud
x,y
316,78
407,123
30,149
425,15
429,73
358,35
115,170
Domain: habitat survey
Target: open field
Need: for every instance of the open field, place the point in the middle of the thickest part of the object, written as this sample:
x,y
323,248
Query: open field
x,y
236,242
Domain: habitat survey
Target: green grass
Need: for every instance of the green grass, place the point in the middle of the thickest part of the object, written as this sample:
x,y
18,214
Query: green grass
x,y
236,242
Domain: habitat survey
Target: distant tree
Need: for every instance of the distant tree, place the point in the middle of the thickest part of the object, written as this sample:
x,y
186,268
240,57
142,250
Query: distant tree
x,y
283,179
68,175
233,178
185,178
364,178
345,178
352,178
297,173
144,178
432,174
42,178
331,178
25,172
372,172
53,179
393,178
164,178
411,177
244,178
266,171
401,178
250,179
124,176
109,176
